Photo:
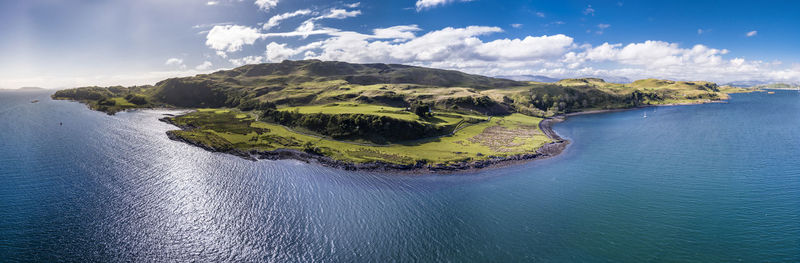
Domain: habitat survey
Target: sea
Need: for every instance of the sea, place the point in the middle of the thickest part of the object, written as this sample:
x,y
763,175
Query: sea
x,y
717,182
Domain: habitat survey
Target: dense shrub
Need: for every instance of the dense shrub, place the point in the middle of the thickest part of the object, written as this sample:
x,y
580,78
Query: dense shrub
x,y
107,102
84,93
378,129
136,99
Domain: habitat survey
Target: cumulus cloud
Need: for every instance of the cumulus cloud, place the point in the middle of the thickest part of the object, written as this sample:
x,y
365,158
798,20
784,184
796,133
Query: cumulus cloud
x,y
427,4
353,5
655,54
266,5
516,25
177,62
231,38
436,45
661,59
526,48
279,52
206,65
247,60
174,62
448,47
752,33
275,20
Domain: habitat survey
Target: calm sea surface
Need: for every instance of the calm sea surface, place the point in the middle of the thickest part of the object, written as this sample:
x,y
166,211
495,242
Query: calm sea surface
x,y
703,183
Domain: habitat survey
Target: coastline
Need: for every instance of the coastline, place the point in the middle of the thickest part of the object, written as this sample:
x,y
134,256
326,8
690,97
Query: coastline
x,y
547,150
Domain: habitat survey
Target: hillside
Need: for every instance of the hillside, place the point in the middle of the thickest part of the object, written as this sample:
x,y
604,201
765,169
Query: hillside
x,y
380,113
313,82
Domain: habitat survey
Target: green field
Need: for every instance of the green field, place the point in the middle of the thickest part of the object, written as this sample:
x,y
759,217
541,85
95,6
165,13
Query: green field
x,y
502,136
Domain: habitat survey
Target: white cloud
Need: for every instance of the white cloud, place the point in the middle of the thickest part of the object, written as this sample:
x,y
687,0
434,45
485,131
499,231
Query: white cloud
x,y
204,66
278,52
231,38
247,60
540,14
460,46
427,4
353,5
177,62
655,54
174,62
661,59
396,32
275,20
339,14
212,3
266,5
527,48
752,33
433,46
516,25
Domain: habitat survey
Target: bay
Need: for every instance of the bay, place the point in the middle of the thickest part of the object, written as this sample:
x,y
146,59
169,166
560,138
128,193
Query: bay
x,y
699,183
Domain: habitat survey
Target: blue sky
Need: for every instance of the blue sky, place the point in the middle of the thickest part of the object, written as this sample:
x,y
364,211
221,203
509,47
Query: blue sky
x,y
59,43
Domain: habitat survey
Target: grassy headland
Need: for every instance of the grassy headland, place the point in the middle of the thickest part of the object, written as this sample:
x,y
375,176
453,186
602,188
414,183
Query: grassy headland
x,y
396,115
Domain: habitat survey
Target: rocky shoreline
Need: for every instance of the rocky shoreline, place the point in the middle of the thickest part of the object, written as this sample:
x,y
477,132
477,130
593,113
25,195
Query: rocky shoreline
x,y
546,151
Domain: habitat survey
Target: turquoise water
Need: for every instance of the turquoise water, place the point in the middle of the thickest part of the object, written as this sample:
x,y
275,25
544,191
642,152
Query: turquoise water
x,y
702,183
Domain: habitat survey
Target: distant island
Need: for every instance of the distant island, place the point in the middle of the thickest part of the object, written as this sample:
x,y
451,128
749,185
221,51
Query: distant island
x,y
381,116
25,89
778,86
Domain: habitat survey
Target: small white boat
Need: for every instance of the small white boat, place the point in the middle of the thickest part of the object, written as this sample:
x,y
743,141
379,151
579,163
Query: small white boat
x,y
645,115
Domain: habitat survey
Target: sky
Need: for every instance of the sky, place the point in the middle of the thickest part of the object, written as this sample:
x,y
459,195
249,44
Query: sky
x,y
68,43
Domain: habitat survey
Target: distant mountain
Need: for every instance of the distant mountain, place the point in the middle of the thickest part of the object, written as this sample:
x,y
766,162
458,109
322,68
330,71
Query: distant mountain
x,y
546,79
23,89
611,79
746,83
363,74
537,78
777,86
